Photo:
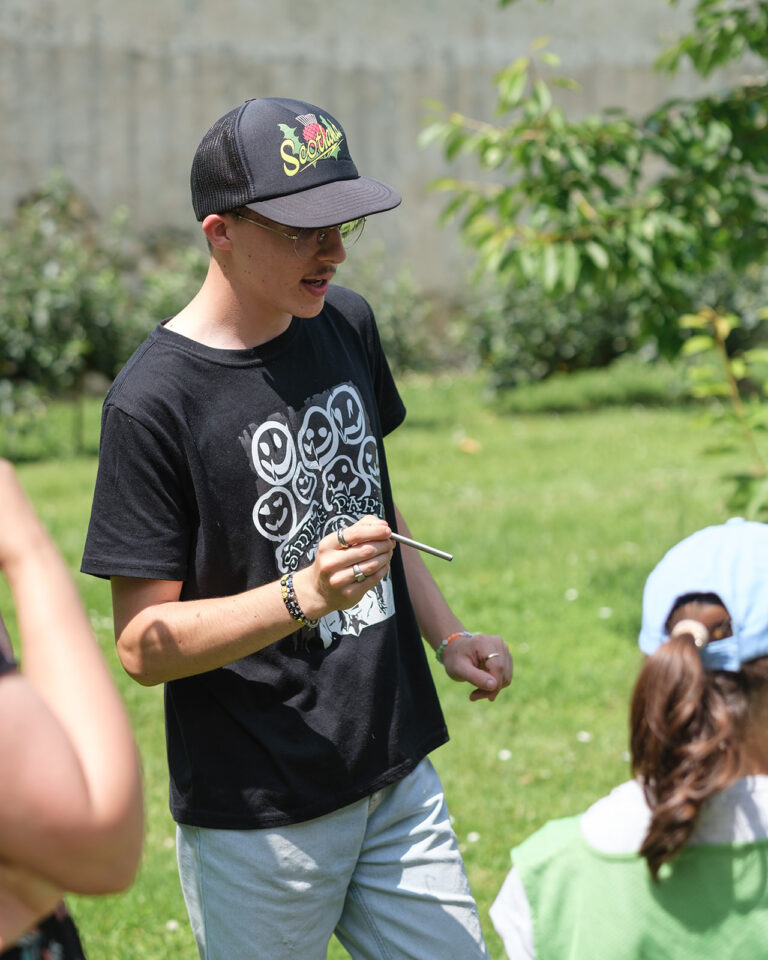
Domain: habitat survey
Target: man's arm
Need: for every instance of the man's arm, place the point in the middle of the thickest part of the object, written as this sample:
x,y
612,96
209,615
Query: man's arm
x,y
480,659
161,638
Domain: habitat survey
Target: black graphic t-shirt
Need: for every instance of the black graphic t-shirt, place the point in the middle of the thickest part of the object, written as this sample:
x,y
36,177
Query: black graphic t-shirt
x,y
223,469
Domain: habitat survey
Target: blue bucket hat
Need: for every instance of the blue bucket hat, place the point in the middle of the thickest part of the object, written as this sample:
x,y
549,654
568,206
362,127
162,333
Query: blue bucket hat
x,y
730,560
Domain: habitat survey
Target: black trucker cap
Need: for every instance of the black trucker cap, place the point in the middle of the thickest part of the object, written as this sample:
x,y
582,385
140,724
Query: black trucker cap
x,y
287,160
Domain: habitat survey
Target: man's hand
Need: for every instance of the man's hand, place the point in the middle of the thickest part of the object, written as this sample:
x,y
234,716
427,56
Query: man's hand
x,y
346,567
482,660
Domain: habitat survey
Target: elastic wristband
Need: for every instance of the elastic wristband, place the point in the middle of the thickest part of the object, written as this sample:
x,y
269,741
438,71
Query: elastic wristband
x,y
444,644
292,604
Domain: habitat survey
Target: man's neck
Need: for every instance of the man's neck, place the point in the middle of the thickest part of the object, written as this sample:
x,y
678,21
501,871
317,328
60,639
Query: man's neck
x,y
217,317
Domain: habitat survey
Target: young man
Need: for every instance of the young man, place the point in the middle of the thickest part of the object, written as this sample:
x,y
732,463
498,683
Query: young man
x,y
243,514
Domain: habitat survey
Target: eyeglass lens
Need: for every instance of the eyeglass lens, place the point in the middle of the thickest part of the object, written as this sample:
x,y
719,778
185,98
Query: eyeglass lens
x,y
309,241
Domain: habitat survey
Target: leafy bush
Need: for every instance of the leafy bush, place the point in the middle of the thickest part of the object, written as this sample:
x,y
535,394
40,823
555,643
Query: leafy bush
x,y
523,335
612,209
58,284
78,295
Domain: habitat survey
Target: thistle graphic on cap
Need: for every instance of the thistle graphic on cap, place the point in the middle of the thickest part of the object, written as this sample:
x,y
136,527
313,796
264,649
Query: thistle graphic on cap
x,y
311,127
321,141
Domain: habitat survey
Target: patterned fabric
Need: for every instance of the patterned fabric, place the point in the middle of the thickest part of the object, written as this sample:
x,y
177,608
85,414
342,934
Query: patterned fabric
x,y
7,661
55,938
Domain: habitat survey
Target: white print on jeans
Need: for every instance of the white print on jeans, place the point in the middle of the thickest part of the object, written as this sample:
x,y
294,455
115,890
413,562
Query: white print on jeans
x,y
317,470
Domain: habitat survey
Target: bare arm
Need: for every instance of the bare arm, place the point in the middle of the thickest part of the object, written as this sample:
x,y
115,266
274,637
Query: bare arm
x,y
466,657
24,900
70,792
161,638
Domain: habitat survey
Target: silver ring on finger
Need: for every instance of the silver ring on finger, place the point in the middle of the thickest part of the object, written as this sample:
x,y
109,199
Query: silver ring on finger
x,y
491,656
358,573
340,537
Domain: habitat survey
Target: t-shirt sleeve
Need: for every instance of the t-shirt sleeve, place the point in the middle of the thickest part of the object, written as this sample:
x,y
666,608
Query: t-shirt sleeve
x,y
139,525
391,406
358,312
510,914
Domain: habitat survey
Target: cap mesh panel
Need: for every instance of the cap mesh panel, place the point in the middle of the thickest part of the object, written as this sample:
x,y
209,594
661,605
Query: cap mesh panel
x,y
219,179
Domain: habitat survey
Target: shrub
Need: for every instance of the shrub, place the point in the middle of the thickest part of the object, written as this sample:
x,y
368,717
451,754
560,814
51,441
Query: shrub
x,y
524,335
78,295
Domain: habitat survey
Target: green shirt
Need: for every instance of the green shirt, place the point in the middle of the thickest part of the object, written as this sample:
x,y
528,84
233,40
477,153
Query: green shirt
x,y
711,902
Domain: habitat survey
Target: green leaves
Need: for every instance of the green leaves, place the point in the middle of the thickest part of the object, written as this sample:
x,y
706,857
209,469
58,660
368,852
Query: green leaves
x,y
643,209
723,32
742,381
511,84
597,254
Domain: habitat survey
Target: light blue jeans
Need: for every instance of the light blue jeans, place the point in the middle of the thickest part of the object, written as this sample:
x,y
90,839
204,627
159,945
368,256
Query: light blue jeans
x,y
384,874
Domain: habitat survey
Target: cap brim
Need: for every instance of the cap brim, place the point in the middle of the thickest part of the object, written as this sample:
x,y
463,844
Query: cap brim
x,y
330,203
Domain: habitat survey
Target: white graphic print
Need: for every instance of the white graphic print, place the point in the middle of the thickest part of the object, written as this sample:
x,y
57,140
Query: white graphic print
x,y
318,470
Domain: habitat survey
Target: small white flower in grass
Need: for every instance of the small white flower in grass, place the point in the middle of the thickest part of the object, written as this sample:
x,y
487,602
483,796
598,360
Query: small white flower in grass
x,y
625,756
605,613
169,843
473,836
572,594
504,754
584,736
172,925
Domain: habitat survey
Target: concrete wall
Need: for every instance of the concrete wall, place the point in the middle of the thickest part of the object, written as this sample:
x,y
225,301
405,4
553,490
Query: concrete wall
x,y
119,94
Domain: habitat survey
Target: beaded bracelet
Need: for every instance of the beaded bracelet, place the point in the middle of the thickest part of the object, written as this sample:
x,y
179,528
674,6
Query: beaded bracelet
x,y
444,644
292,604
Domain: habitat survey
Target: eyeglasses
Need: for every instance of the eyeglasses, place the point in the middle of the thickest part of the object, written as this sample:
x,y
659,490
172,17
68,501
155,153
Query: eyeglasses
x,y
309,241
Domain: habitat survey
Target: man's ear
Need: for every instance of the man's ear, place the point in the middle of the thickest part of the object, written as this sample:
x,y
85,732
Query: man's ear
x,y
216,229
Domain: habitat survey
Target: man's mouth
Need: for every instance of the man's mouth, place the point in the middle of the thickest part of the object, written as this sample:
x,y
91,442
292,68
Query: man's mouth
x,y
318,285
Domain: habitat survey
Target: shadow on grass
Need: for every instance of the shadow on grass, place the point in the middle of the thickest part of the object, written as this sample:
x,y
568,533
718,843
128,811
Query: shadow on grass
x,y
626,383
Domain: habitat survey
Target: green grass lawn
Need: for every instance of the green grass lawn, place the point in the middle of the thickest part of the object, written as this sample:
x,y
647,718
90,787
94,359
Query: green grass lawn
x,y
554,520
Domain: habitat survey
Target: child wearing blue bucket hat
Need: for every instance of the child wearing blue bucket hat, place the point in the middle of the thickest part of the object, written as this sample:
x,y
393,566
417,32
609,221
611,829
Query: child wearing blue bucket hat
x,y
674,863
